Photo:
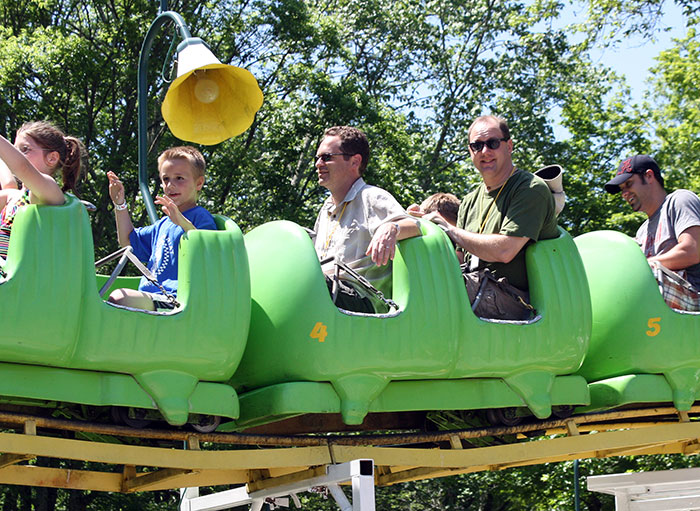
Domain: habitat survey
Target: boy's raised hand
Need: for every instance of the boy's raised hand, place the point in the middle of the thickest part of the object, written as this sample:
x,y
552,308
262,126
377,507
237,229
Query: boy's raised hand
x,y
121,213
170,208
116,188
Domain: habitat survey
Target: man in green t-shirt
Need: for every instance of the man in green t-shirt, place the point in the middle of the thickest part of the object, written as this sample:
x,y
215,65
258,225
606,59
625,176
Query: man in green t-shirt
x,y
509,210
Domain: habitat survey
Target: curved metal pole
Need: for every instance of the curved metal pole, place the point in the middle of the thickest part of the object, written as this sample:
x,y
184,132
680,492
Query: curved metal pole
x,y
160,20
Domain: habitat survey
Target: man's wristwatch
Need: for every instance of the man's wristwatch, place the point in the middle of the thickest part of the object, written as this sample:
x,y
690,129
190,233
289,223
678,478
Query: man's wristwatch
x,y
120,207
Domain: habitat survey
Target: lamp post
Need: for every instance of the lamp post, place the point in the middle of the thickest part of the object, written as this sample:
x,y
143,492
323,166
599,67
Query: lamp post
x,y
207,103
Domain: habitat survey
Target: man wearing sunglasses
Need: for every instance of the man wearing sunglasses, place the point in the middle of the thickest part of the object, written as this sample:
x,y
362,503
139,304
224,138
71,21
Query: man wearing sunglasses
x,y
509,210
670,237
358,224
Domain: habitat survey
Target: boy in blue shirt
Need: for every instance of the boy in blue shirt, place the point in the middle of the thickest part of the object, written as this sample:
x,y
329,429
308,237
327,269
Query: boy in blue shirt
x,y
181,171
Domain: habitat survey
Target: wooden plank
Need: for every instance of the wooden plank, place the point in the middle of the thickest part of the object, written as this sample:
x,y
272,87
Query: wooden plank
x,y
438,463
456,442
29,475
151,480
12,459
30,427
287,479
161,457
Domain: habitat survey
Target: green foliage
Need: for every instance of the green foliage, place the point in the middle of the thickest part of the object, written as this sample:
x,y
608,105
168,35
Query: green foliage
x,y
412,73
677,113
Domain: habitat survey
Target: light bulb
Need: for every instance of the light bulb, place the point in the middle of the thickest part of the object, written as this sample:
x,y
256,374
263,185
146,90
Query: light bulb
x,y
206,90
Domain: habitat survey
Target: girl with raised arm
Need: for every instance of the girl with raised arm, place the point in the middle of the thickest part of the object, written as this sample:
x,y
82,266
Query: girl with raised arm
x,y
40,149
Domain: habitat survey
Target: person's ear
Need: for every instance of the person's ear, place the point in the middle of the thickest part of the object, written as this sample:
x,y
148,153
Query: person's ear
x,y
356,160
199,182
52,159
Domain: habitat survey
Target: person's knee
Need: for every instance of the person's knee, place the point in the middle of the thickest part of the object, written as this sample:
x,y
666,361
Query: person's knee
x,y
131,298
118,296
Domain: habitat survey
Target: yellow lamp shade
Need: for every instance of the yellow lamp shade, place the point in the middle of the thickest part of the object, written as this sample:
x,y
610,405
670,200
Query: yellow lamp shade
x,y
209,102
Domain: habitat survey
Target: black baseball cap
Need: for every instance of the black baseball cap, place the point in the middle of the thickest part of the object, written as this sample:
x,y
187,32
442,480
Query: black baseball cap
x,y
638,164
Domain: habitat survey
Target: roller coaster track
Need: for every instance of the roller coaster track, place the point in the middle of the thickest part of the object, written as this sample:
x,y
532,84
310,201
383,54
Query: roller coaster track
x,y
166,459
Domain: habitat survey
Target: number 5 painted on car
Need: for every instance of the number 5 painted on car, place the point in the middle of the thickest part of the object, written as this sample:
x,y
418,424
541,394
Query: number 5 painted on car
x,y
654,325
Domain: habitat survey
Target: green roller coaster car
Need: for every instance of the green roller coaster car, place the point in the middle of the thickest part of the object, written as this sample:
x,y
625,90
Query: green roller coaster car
x,y
61,342
305,356
641,350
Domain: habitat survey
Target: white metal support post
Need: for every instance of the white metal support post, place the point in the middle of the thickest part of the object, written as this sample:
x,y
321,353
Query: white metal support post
x,y
359,472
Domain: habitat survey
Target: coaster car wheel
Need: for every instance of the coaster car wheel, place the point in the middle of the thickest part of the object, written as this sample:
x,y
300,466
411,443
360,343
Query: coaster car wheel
x,y
206,423
563,412
503,416
132,417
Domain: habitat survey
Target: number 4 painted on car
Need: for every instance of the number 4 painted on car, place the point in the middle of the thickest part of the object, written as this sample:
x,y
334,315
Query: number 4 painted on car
x,y
319,332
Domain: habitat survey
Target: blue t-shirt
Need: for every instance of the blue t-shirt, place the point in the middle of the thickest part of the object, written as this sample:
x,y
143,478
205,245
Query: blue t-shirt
x,y
158,244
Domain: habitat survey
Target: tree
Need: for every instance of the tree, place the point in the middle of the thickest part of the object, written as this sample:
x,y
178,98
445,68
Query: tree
x,y
675,114
412,74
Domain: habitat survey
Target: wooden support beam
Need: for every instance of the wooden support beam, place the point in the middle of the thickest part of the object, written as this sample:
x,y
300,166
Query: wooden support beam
x,y
159,457
571,428
456,442
263,484
193,443
692,447
10,459
437,463
29,475
30,427
150,480
627,450
128,473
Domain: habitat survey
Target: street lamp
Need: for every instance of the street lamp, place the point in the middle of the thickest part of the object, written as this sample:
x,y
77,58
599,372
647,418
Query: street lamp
x,y
207,103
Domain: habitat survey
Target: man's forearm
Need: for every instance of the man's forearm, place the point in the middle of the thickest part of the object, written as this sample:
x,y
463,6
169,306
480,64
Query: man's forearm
x,y
495,248
678,258
408,228
684,254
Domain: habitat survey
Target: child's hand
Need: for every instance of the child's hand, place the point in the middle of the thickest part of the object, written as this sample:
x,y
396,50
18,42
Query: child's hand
x,y
170,208
438,219
415,210
116,188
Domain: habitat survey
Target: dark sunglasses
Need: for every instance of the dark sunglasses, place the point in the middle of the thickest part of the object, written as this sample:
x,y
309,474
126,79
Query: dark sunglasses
x,y
329,156
492,143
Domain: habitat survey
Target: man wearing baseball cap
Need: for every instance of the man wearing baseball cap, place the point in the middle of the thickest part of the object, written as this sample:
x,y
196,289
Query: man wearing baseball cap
x,y
670,237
